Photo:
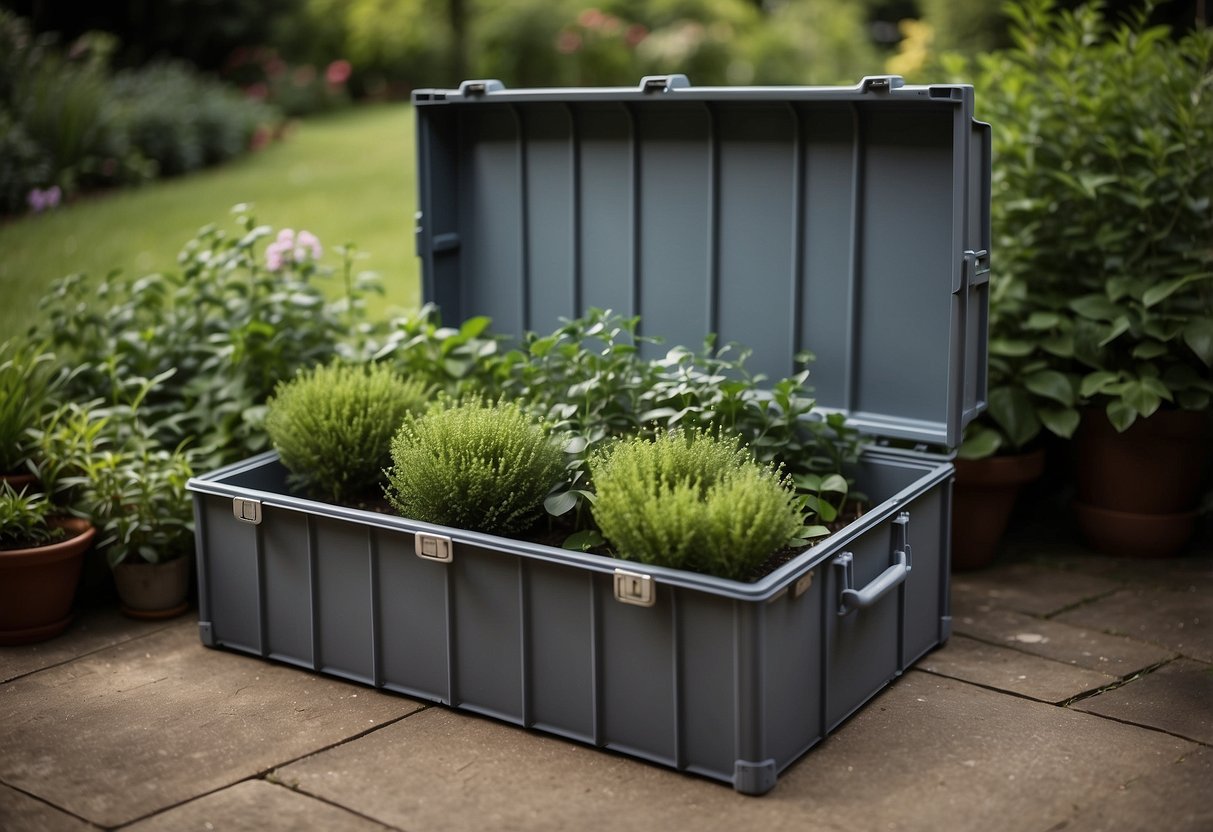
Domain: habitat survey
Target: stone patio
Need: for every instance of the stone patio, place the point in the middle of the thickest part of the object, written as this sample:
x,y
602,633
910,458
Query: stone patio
x,y
1075,694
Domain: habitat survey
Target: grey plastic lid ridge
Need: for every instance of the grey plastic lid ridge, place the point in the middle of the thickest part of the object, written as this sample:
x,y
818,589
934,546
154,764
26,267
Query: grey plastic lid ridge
x,y
849,221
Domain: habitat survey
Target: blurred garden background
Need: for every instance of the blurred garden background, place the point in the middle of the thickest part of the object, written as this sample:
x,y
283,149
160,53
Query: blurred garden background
x,y
113,115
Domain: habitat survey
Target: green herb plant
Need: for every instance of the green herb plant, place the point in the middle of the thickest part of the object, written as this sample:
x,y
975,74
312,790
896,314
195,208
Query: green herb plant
x,y
27,384
473,465
25,519
693,500
106,464
332,426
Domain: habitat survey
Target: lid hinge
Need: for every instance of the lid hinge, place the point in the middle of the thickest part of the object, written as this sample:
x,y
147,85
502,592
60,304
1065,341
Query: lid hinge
x,y
663,83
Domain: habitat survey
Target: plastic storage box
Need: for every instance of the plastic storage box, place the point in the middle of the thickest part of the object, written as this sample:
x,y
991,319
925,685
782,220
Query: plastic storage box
x,y
849,221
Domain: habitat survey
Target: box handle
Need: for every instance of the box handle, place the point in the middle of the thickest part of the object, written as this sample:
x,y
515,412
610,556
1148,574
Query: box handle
x,y
851,599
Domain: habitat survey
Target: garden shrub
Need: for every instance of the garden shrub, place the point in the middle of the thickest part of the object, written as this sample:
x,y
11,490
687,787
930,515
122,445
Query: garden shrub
x,y
692,500
67,123
218,335
333,425
474,465
181,121
1102,211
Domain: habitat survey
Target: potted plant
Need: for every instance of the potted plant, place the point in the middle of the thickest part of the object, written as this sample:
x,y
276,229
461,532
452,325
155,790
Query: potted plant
x,y
1028,399
1102,206
26,387
108,466
41,553
137,499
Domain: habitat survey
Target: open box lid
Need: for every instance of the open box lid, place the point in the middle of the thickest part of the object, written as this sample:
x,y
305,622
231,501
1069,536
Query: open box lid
x,y
849,221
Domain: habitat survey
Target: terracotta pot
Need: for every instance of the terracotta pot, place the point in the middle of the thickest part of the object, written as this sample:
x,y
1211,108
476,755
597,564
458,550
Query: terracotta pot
x,y
38,585
1129,534
19,481
982,499
153,590
1135,492
1154,467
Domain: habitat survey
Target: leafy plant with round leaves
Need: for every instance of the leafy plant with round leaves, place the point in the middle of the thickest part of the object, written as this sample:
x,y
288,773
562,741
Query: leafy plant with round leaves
x,y
1102,207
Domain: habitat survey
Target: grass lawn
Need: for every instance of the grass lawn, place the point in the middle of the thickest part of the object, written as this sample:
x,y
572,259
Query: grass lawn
x,y
347,177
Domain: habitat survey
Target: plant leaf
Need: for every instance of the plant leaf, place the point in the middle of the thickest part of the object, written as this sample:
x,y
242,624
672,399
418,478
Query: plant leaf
x,y
1198,334
1095,308
1060,421
835,483
1097,382
560,503
1120,415
583,540
1051,384
980,442
1011,408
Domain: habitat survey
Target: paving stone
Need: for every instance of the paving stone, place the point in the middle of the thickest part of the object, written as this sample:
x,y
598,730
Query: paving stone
x,y
1178,573
1174,799
22,813
927,754
1029,588
93,630
1114,655
1181,620
255,806
147,724
1012,670
1177,697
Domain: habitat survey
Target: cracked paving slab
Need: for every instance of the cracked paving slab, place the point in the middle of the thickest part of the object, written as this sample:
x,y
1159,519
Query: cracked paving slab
x,y
1176,698
1012,670
255,806
1028,588
92,630
1178,619
1114,655
146,724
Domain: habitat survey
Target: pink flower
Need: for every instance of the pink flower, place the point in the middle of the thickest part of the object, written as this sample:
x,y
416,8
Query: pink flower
x,y
591,18
567,42
338,72
305,242
289,248
273,257
275,66
258,91
43,200
635,34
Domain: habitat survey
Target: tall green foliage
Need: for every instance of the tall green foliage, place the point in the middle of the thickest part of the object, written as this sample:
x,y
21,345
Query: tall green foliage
x,y
1102,208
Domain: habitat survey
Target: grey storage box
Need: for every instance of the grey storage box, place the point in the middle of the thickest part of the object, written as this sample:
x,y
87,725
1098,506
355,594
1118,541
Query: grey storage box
x,y
849,221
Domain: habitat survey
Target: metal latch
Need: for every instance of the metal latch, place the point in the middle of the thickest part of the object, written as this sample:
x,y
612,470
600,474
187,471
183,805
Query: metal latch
x,y
248,511
976,269
635,588
469,89
663,83
881,83
433,547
